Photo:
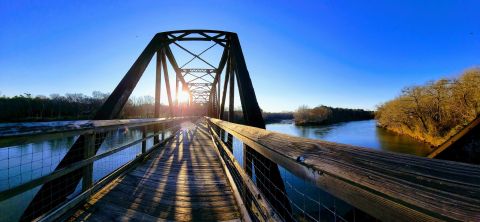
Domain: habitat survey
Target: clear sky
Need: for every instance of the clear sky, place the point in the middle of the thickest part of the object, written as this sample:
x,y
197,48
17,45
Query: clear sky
x,y
337,53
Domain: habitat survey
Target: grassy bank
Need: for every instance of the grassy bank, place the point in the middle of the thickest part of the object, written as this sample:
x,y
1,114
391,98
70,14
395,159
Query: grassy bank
x,y
435,111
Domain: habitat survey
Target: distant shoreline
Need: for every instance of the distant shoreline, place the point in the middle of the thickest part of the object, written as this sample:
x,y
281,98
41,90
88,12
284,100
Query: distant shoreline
x,y
324,115
330,123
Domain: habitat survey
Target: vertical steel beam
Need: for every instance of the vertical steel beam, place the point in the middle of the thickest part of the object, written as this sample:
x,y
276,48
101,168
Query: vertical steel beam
x,y
231,107
167,85
218,78
253,117
210,104
217,111
224,93
252,112
158,91
176,94
158,83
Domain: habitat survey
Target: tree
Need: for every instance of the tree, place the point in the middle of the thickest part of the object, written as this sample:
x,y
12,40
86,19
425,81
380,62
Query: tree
x,y
435,111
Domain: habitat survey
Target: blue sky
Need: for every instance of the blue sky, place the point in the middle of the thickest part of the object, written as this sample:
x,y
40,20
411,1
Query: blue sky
x,y
337,53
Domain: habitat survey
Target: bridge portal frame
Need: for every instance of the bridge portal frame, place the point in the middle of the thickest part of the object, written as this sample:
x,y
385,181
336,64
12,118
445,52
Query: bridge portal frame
x,y
232,59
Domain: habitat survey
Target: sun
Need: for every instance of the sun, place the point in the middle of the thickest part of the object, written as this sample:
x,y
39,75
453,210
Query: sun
x,y
183,97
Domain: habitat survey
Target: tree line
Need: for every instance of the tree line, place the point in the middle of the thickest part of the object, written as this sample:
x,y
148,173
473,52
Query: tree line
x,y
71,106
435,111
276,117
328,115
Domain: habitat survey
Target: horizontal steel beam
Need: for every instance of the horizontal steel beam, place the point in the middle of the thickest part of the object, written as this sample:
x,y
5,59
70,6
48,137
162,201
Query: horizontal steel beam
x,y
193,70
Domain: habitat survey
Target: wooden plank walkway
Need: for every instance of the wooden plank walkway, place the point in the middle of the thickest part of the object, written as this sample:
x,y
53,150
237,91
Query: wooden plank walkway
x,y
183,181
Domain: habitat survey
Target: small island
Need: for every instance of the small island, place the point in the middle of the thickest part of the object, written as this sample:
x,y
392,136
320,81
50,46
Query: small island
x,y
320,115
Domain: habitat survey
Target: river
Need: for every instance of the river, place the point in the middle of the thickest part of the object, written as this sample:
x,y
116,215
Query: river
x,y
363,133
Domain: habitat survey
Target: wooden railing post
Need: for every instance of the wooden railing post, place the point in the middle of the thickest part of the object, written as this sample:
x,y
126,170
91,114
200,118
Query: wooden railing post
x,y
155,131
163,131
144,142
88,151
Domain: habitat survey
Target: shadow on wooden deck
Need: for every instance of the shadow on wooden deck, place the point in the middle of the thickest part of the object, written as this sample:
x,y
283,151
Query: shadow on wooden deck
x,y
182,181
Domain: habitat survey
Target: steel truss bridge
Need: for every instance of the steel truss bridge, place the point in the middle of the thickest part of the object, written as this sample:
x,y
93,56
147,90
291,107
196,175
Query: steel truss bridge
x,y
218,163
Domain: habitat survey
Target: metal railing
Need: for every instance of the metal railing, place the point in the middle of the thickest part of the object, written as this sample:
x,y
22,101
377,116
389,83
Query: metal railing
x,y
31,152
377,185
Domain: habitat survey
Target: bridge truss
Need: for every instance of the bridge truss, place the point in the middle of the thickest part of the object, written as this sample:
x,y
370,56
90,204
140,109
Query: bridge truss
x,y
207,88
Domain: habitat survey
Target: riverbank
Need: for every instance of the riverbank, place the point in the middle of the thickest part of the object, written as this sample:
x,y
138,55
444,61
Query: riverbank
x,y
324,115
399,131
435,111
277,117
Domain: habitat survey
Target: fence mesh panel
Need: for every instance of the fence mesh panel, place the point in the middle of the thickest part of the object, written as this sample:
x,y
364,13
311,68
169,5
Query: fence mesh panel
x,y
21,164
296,200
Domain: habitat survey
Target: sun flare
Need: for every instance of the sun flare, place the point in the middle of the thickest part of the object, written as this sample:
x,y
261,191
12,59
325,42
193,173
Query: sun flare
x,y
183,97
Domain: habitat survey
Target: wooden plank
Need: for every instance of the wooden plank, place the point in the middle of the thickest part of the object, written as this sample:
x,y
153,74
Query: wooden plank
x,y
236,192
176,213
193,197
179,184
97,211
389,186
118,196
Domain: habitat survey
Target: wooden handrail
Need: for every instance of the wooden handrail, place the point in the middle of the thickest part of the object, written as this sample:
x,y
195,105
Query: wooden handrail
x,y
389,186
21,133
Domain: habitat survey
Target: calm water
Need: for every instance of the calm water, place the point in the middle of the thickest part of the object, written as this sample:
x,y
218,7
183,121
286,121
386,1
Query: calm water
x,y
358,133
